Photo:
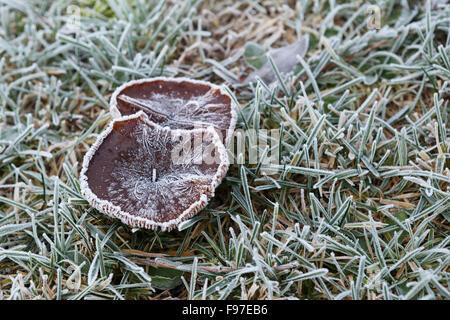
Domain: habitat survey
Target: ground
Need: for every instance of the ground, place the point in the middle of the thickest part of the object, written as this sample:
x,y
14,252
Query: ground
x,y
358,207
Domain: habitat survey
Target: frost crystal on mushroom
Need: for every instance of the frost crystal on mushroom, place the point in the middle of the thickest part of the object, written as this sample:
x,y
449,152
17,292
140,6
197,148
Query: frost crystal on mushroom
x,y
152,176
178,103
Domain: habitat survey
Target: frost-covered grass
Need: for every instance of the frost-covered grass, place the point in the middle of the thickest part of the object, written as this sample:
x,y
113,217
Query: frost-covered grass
x,y
359,208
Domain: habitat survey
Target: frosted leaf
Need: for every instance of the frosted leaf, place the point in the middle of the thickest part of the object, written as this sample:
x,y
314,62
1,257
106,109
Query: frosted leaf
x,y
145,175
178,103
285,58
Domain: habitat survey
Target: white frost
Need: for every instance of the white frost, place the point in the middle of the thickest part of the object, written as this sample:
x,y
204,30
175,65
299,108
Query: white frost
x,y
181,113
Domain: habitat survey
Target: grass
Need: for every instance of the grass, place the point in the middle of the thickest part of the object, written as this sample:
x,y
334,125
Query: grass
x,y
357,209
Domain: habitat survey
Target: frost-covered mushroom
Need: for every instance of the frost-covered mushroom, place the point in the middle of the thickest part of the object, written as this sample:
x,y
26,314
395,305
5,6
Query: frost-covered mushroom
x,y
151,176
178,103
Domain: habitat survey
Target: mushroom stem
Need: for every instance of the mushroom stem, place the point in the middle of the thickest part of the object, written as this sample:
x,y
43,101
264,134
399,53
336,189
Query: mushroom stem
x,y
154,175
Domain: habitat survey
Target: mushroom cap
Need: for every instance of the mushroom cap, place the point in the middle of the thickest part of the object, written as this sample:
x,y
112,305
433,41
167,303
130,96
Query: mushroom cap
x,y
179,103
140,172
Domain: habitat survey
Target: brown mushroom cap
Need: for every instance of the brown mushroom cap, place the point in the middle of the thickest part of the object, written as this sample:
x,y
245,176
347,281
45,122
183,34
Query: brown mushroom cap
x,y
178,103
133,172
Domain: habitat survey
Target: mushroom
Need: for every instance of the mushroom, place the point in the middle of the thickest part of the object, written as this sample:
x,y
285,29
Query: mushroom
x,y
178,103
145,175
